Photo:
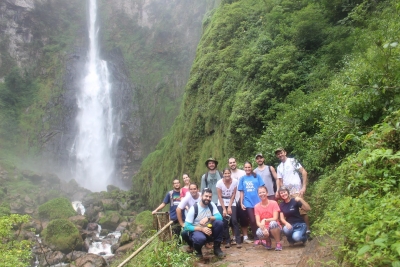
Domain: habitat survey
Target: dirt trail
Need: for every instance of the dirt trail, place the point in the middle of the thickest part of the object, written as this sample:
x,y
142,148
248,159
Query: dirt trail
x,y
258,256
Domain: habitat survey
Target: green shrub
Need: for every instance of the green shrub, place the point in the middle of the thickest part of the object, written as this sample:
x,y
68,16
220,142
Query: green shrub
x,y
58,208
62,235
159,253
13,252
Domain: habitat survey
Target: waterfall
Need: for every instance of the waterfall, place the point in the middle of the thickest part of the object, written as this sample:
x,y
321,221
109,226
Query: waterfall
x,y
96,137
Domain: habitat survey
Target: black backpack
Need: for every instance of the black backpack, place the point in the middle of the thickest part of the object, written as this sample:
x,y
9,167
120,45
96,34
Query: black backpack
x,y
206,176
196,210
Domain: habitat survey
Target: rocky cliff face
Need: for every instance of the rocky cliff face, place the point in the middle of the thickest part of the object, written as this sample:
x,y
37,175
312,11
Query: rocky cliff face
x,y
149,46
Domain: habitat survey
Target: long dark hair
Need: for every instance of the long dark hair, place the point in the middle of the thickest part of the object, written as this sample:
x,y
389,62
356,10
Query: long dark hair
x,y
252,172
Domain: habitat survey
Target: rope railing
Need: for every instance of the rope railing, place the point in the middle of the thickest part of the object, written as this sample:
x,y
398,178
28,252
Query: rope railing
x,y
145,244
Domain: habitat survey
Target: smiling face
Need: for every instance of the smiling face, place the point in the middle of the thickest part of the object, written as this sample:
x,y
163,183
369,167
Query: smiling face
x,y
248,168
232,163
186,179
193,190
260,160
227,176
262,193
206,198
281,155
284,195
211,165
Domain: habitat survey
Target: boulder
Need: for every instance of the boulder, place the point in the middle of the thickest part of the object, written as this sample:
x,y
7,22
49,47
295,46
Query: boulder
x,y
51,258
74,255
33,224
124,239
124,249
92,226
79,220
122,226
110,221
91,260
58,208
62,235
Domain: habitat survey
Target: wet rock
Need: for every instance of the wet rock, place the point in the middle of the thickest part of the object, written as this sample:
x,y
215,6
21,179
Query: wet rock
x,y
109,204
124,249
91,260
110,221
124,239
74,255
51,258
33,224
92,227
79,220
122,226
114,247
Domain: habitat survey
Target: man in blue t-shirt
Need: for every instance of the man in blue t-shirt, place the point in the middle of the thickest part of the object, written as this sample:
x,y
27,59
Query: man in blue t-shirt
x,y
172,197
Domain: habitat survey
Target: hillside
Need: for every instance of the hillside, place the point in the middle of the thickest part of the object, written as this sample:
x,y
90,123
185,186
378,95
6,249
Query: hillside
x,y
318,78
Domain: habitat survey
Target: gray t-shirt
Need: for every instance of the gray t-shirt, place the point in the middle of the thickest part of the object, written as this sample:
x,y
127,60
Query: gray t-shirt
x,y
212,180
267,178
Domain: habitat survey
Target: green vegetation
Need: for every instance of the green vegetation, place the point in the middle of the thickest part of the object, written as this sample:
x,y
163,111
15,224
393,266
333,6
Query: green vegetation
x,y
27,90
62,235
318,78
13,252
58,208
159,253
158,49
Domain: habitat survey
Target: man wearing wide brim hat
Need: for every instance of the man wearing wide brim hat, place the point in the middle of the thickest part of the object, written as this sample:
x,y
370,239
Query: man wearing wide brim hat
x,y
211,177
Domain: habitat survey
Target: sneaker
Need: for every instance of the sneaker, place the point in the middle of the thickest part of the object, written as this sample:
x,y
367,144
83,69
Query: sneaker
x,y
239,245
233,242
227,245
247,241
268,244
264,242
257,242
278,247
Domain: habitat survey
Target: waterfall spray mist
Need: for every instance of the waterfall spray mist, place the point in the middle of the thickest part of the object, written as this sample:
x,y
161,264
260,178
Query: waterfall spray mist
x,y
93,147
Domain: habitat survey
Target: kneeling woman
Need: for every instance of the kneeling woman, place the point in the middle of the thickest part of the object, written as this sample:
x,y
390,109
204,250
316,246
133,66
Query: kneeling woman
x,y
295,227
267,212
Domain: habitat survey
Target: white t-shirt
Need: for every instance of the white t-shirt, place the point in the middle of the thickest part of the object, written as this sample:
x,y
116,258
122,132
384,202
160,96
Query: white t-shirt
x,y
202,213
288,172
188,200
237,175
227,192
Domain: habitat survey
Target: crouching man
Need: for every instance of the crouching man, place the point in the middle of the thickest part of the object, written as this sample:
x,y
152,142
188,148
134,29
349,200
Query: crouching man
x,y
204,224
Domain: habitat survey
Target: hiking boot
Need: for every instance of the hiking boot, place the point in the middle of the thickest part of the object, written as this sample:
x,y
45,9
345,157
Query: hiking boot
x,y
239,245
197,249
278,247
227,245
217,250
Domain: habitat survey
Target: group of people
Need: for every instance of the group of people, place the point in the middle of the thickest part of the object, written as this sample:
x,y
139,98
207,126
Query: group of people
x,y
238,199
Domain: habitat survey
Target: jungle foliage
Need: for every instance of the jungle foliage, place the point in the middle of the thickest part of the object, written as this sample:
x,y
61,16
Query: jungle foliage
x,y
316,77
14,252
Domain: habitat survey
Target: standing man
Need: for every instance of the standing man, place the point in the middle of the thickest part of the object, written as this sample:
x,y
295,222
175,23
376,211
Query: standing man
x,y
268,174
204,223
242,217
173,197
211,177
288,173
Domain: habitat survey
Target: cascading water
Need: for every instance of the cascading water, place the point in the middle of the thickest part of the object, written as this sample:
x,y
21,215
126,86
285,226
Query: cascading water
x,y
93,147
